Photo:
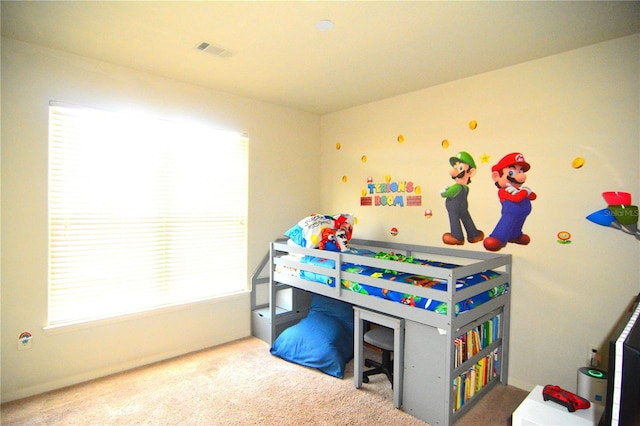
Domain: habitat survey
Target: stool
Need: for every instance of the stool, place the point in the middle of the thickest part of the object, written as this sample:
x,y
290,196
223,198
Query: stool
x,y
393,324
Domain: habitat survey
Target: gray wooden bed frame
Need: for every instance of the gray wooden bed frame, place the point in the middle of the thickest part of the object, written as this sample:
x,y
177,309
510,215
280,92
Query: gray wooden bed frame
x,y
429,352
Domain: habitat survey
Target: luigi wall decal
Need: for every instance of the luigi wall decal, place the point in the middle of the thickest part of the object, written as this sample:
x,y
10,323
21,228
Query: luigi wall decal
x,y
463,168
509,175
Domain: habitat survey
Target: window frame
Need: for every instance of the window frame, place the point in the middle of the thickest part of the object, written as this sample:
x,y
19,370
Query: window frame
x,y
56,320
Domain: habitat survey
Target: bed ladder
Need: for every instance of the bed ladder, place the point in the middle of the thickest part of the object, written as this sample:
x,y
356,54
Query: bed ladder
x,y
258,279
291,304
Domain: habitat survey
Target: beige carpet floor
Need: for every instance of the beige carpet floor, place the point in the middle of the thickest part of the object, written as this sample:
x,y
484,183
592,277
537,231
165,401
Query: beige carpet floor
x,y
238,383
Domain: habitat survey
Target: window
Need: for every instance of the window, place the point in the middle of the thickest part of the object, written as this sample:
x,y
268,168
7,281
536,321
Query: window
x,y
143,213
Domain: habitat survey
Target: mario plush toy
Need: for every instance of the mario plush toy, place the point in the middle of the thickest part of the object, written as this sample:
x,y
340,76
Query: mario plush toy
x,y
334,240
509,176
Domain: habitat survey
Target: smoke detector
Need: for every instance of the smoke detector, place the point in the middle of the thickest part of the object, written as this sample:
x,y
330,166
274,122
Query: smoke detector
x,y
219,51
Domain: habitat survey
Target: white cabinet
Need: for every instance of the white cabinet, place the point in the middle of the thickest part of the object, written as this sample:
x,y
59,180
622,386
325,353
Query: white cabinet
x,y
535,411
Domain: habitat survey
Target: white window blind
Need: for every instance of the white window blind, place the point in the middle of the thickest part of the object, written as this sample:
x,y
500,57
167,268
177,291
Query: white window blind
x,y
143,213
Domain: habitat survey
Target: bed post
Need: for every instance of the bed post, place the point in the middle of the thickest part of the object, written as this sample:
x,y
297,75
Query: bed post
x,y
506,321
272,296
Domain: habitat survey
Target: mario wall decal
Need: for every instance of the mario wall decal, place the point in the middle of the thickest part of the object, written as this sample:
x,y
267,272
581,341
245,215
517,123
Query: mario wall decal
x,y
463,168
509,175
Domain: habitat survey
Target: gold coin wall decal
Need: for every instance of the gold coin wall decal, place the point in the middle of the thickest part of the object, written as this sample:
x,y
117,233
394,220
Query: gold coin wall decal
x,y
577,162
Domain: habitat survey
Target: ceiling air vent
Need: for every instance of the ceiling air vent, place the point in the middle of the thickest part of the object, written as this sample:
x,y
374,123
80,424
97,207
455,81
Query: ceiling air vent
x,y
218,51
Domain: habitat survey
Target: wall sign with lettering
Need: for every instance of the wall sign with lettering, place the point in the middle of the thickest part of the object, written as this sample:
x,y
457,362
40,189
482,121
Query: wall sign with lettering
x,y
390,193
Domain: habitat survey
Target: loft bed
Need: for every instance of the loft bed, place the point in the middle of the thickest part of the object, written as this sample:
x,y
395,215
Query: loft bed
x,y
455,304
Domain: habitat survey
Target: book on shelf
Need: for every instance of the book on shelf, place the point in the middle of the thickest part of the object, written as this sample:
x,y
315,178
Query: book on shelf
x,y
469,344
471,381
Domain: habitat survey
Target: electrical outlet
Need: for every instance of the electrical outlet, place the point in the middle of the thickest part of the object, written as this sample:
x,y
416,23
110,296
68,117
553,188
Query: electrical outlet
x,y
593,356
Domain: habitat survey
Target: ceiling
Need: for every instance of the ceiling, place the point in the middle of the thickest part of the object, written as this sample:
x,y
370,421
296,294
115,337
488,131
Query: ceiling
x,y
275,53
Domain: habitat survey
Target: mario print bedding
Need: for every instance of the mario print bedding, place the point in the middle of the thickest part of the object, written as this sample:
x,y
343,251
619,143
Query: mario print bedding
x,y
406,298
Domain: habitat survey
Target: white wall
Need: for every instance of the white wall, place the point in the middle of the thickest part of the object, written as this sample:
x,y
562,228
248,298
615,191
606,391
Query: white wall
x,y
584,103
279,195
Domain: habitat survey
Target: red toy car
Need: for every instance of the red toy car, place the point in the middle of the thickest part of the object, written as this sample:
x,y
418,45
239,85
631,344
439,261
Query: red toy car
x,y
565,398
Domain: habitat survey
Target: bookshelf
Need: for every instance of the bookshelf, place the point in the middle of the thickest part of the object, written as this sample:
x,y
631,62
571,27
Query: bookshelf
x,y
476,360
447,371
